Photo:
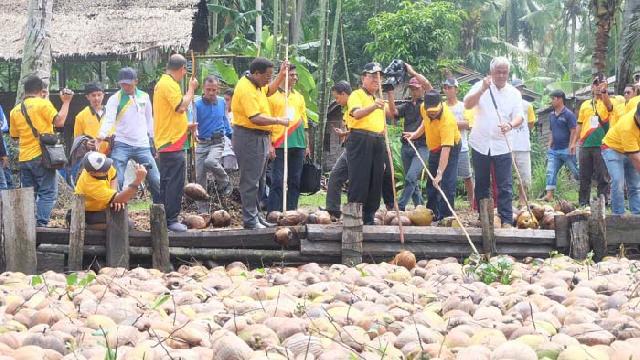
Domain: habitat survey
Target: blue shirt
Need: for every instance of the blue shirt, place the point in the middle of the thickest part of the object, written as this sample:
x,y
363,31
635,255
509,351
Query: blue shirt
x,y
561,126
212,118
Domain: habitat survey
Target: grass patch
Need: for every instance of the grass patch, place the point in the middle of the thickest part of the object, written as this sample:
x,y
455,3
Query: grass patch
x,y
139,204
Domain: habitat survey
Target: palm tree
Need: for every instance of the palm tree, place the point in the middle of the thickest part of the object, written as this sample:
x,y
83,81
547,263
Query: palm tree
x,y
629,40
603,13
36,54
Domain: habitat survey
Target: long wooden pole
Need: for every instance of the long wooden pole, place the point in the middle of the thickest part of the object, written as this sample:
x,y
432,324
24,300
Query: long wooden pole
x,y
393,177
285,178
426,168
192,148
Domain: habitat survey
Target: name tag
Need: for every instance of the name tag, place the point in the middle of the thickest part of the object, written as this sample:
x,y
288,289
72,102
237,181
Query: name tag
x,y
594,122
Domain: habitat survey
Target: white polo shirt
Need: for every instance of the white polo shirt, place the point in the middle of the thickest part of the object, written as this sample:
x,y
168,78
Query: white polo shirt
x,y
485,136
520,136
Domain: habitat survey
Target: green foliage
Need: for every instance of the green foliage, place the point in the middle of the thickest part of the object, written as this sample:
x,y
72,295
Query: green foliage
x,y
160,300
419,33
496,269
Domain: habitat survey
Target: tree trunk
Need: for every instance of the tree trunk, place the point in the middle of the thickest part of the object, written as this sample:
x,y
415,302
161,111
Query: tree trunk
x,y
286,16
629,42
276,26
36,54
572,51
213,21
258,24
604,11
296,29
322,95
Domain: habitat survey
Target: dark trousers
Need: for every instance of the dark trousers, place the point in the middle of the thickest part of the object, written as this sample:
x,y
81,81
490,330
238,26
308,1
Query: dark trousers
x,y
592,166
338,176
296,160
387,184
503,179
172,168
365,156
435,202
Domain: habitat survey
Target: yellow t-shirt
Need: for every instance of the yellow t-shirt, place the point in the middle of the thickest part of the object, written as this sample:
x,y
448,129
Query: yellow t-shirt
x,y
373,122
469,116
249,101
585,114
276,106
42,114
440,132
98,193
87,123
624,137
169,126
531,114
632,105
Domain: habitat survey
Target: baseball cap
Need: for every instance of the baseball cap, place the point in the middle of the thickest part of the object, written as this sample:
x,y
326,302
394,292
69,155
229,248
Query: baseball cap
x,y
92,87
127,75
517,83
558,93
432,100
372,68
451,82
413,82
94,161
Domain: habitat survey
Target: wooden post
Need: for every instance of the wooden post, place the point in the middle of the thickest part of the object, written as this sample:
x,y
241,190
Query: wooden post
x,y
486,221
19,230
579,241
598,228
352,234
562,231
159,238
117,244
76,234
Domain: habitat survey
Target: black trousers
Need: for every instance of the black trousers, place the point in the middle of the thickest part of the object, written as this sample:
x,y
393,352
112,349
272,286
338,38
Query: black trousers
x,y
503,179
592,166
172,168
365,158
296,160
387,184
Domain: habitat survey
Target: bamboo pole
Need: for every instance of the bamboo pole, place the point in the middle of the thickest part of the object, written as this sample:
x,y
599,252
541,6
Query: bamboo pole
x,y
393,177
285,177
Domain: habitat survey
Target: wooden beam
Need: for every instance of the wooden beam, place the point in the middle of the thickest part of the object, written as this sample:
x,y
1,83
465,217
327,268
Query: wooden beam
x,y
486,222
117,243
19,230
598,228
561,230
622,229
48,261
76,233
579,241
351,249
159,238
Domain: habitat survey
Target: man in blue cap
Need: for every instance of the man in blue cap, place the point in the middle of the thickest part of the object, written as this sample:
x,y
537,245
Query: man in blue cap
x,y
128,116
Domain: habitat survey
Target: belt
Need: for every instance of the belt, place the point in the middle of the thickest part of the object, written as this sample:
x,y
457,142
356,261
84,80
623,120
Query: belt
x,y
368,133
257,131
214,136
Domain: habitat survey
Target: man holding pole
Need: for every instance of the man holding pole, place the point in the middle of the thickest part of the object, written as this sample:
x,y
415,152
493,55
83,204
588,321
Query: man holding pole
x,y
252,127
365,145
496,111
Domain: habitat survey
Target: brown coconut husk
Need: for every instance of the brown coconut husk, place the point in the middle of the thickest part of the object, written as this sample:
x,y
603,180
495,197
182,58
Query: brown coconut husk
x,y
194,222
405,258
196,192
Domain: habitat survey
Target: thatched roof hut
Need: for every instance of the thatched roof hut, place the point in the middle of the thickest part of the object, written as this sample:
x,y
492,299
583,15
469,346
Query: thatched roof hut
x,y
105,28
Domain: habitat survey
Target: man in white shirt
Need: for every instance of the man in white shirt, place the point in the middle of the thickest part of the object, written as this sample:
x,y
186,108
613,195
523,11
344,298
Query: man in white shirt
x,y
488,137
450,88
521,142
129,111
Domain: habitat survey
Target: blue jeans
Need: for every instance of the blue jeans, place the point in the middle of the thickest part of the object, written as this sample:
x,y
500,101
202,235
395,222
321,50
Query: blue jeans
x,y
482,172
621,170
412,170
296,160
121,154
45,187
435,201
555,160
8,177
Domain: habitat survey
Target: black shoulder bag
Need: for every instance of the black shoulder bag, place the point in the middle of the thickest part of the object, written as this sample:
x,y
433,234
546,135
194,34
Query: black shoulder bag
x,y
53,156
310,179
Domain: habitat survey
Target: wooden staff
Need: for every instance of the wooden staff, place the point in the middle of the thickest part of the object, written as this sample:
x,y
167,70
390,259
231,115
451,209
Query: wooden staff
x,y
426,168
192,148
285,178
393,177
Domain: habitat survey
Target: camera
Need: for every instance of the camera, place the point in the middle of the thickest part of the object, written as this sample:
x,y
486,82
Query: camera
x,y
599,78
394,74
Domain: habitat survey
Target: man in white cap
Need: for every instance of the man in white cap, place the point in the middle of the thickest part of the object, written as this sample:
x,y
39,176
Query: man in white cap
x,y
97,183
129,112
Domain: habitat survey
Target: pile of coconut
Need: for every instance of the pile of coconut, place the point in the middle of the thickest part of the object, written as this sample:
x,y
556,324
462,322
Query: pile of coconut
x,y
552,309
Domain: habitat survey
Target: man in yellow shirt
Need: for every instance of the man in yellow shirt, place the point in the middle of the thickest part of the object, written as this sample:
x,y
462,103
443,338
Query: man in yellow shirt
x,y
44,117
440,127
87,123
593,123
297,144
252,126
171,131
621,153
98,184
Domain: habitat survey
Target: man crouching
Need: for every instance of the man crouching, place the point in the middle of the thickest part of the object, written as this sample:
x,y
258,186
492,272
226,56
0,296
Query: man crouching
x,y
98,184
